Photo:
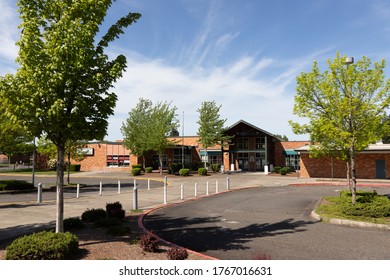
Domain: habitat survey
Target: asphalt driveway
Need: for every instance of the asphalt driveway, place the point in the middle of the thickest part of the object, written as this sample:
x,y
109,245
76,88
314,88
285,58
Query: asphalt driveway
x,y
268,222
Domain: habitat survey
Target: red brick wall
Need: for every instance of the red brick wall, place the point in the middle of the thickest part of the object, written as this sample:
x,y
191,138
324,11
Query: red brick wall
x,y
322,168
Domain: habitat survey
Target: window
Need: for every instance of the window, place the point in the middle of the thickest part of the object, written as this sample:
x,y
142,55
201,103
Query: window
x,y
293,161
242,144
177,155
260,143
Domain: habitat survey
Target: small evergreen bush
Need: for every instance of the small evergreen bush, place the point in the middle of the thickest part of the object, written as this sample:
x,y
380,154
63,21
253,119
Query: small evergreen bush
x,y
368,204
45,245
73,167
202,171
184,172
136,171
149,243
177,254
136,166
73,223
277,169
13,185
174,168
115,210
92,215
148,169
215,167
284,170
107,222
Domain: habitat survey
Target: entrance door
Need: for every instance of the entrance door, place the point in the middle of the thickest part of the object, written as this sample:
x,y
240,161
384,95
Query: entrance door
x,y
380,169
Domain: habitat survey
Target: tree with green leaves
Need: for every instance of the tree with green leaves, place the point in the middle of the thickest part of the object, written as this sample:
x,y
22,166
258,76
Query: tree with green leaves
x,y
211,126
63,84
345,107
136,129
148,126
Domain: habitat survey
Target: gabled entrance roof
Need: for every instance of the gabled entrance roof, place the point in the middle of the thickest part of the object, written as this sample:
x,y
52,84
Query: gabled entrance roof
x,y
243,128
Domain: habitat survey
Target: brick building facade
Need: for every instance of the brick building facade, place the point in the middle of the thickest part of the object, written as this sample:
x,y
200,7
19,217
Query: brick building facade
x,y
250,149
372,163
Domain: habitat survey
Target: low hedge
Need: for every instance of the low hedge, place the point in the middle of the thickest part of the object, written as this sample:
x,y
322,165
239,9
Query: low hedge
x,y
148,169
11,185
74,167
202,171
136,171
184,172
45,245
368,204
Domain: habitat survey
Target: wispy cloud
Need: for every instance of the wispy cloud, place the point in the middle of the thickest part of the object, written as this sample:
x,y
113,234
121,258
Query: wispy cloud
x,y
245,90
9,34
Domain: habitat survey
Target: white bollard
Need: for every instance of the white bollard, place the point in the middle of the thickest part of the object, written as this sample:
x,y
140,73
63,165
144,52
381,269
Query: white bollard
x,y
182,192
196,189
228,183
119,187
207,188
101,188
78,191
165,190
216,187
148,184
135,196
39,197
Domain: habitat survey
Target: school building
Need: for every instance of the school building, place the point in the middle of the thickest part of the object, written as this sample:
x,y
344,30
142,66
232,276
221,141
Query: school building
x,y
250,149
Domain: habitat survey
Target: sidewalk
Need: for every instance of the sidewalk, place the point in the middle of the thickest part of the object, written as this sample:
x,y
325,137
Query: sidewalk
x,y
18,218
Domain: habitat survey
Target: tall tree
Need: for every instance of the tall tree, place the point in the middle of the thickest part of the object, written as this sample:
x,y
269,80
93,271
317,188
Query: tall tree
x,y
136,129
62,86
147,128
163,122
345,107
211,126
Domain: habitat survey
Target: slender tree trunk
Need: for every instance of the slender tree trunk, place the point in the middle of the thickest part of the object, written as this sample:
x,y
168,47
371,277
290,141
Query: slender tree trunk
x,y
60,188
68,171
353,174
160,158
349,173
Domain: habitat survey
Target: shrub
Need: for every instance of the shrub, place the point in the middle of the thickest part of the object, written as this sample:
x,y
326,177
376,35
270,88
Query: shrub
x,y
215,167
148,169
184,172
115,210
92,215
368,204
136,166
136,171
149,243
177,254
277,169
174,168
73,223
107,222
74,167
284,170
44,245
202,171
11,185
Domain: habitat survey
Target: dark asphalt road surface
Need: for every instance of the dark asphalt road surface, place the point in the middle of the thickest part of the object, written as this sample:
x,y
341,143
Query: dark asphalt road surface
x,y
272,222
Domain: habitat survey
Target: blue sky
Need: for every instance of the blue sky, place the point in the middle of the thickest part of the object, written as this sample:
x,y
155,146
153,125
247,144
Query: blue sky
x,y
245,55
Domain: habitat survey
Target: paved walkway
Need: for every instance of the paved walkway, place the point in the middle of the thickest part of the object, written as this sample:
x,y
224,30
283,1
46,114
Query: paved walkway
x,y
18,217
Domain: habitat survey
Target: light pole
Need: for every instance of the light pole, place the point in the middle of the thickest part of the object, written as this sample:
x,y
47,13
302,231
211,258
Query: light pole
x,y
350,163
